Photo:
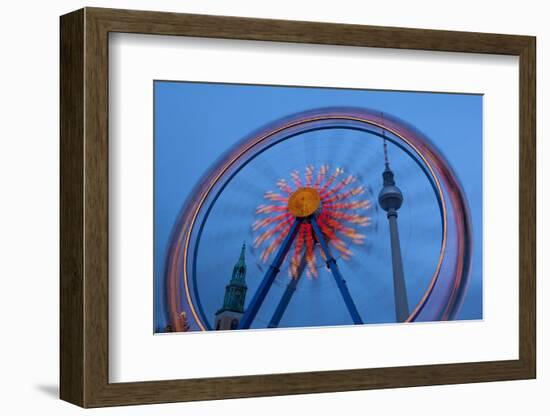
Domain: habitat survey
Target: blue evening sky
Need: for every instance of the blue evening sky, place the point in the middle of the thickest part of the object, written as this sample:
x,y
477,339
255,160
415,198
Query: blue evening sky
x,y
196,122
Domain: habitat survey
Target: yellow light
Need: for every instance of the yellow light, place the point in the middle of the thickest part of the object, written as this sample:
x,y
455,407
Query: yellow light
x,y
304,202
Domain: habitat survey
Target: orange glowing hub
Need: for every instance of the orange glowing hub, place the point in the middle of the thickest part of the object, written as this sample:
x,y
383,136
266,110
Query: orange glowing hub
x,y
336,201
304,202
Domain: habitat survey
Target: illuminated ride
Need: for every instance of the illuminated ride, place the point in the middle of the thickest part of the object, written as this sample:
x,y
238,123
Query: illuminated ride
x,y
320,211
317,216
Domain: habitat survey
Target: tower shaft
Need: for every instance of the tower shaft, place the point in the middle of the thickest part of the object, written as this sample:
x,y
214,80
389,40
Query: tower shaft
x,y
390,199
399,288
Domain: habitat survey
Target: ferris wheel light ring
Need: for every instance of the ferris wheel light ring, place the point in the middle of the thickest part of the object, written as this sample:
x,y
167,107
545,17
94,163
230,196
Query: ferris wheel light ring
x,y
180,246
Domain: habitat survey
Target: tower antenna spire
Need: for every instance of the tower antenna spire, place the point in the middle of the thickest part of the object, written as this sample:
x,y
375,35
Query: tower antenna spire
x,y
386,161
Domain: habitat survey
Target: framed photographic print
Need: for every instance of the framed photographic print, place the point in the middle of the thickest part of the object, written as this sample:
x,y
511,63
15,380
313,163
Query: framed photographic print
x,y
256,207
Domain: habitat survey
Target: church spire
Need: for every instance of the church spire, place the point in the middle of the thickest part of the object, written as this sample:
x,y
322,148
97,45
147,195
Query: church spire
x,y
239,270
241,262
235,294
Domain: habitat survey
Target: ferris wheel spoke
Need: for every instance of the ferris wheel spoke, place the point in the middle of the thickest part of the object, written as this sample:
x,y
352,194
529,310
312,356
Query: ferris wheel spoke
x,y
269,277
333,266
244,186
287,295
357,156
369,169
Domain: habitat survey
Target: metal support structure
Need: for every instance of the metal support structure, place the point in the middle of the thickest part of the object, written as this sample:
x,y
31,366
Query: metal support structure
x,y
340,282
269,278
287,295
399,287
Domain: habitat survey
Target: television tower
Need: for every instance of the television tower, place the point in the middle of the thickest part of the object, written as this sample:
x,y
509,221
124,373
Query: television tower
x,y
390,199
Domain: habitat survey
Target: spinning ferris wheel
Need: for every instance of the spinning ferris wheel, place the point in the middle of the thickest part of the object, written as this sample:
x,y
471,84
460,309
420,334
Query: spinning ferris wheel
x,y
343,207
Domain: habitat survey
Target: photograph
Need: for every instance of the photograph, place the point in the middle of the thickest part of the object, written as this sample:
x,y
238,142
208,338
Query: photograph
x,y
247,208
279,206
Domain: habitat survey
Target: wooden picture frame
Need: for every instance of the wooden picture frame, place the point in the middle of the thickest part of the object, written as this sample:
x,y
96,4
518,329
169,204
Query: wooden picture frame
x,y
84,207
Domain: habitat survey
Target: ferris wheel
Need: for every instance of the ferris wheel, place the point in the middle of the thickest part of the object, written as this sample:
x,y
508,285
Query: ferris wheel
x,y
317,197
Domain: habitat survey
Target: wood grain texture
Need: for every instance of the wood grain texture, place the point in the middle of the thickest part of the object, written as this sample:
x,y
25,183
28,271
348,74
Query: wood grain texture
x,y
527,208
72,216
84,207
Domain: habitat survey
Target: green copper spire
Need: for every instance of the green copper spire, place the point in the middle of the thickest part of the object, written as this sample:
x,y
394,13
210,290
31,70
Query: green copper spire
x,y
235,291
239,270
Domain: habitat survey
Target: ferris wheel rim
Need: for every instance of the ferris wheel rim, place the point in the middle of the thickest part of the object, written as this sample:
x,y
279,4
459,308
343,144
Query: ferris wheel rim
x,y
324,117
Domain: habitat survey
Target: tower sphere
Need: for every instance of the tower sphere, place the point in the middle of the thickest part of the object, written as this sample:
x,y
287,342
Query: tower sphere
x,y
390,198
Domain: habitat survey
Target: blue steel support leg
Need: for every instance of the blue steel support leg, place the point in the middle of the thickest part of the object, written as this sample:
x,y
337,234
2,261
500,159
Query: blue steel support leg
x,y
285,299
268,279
331,263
